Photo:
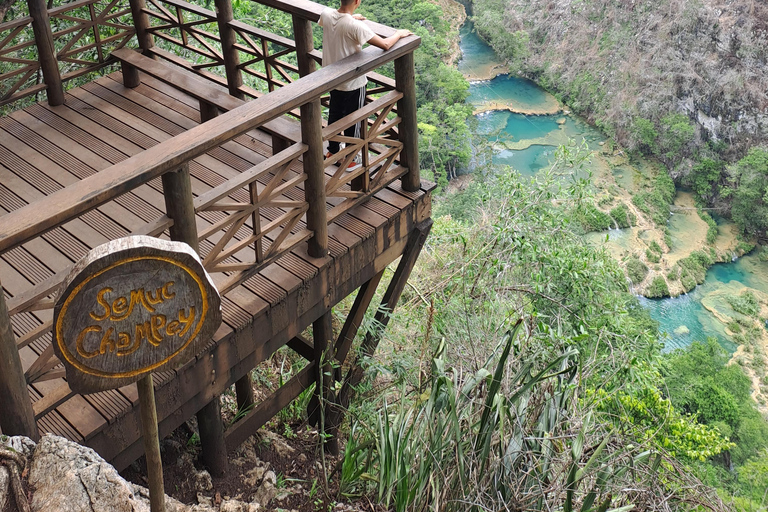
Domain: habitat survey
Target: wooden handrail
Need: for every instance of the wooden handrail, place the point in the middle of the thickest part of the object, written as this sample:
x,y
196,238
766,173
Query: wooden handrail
x,y
311,11
26,223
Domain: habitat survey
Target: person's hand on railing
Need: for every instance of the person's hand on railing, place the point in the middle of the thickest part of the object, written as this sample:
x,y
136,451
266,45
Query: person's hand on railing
x,y
387,43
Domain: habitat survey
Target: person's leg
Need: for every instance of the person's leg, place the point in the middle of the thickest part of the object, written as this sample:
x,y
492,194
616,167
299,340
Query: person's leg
x,y
335,112
355,101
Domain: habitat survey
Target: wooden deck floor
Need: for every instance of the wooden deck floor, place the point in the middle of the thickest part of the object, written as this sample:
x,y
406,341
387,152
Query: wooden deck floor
x,y
43,149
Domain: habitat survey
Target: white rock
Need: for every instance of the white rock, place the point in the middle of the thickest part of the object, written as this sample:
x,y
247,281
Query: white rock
x,y
203,481
202,499
67,477
238,506
266,491
254,476
283,449
5,481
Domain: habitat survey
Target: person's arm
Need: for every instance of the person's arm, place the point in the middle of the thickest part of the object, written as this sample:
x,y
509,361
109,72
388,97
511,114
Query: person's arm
x,y
387,43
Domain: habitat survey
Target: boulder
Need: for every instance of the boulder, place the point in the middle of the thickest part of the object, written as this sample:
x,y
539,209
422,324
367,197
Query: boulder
x,y
65,476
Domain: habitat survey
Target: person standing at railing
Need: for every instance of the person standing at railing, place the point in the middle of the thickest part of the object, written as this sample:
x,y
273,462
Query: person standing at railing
x,y
344,34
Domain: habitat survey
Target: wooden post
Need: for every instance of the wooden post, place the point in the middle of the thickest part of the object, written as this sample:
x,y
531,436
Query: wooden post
x,y
141,23
224,15
322,338
311,135
405,78
16,414
151,443
179,205
41,26
244,392
177,189
207,111
418,236
131,77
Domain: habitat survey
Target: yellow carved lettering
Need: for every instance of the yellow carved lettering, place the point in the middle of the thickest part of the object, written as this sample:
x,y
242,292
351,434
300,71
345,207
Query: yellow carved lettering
x,y
173,328
158,322
81,342
157,298
167,294
142,331
103,303
108,342
120,306
186,320
124,346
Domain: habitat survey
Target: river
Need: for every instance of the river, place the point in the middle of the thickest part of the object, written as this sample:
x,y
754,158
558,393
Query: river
x,y
527,142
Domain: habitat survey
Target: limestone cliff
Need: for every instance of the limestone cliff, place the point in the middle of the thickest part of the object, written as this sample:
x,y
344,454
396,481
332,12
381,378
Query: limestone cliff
x,y
618,61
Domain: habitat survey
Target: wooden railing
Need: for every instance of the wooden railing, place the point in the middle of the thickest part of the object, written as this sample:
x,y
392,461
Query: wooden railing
x,y
288,189
61,43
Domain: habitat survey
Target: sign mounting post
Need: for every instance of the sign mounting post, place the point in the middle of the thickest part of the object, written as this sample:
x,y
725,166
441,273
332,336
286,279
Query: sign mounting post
x,y
129,308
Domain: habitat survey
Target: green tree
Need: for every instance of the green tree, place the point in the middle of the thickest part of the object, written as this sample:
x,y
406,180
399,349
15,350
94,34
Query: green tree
x,y
677,134
749,191
704,177
645,134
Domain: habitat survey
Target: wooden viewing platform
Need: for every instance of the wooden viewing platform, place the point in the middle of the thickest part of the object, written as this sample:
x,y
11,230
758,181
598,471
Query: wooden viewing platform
x,y
223,151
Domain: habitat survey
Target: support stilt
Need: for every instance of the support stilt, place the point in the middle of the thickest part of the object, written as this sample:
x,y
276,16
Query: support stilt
x,y
335,412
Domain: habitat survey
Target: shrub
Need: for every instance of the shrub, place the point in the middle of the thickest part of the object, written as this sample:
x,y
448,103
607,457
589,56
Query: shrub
x,y
636,270
693,269
745,303
623,217
688,282
673,274
592,219
712,229
652,256
655,247
658,288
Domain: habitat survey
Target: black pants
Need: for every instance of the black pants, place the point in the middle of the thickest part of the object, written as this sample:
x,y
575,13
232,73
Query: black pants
x,y
344,103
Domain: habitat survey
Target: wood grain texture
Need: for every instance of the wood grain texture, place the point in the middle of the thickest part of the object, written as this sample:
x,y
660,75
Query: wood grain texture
x,y
16,415
405,78
26,223
151,444
41,26
130,307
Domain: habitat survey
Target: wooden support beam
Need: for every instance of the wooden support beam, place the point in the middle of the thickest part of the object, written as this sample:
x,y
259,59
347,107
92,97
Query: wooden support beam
x,y
16,414
244,392
179,204
207,111
303,347
312,136
322,336
271,405
151,437
141,24
405,78
335,413
46,52
130,75
355,318
224,16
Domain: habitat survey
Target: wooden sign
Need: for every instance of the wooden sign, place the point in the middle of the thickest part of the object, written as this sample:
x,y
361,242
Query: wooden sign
x,y
130,307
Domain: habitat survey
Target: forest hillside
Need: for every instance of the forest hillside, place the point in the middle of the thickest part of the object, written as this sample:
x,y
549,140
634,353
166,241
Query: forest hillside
x,y
683,81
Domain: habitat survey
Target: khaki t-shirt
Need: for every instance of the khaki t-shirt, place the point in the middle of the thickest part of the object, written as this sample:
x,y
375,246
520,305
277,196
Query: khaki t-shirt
x,y
343,36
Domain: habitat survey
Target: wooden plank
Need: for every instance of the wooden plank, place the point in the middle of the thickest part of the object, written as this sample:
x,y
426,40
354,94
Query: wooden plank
x,y
21,225
200,89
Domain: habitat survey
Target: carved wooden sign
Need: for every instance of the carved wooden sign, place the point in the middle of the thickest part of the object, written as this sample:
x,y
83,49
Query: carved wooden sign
x,y
130,307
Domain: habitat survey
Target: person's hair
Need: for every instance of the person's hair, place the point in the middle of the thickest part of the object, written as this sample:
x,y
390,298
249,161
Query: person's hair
x,y
347,2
